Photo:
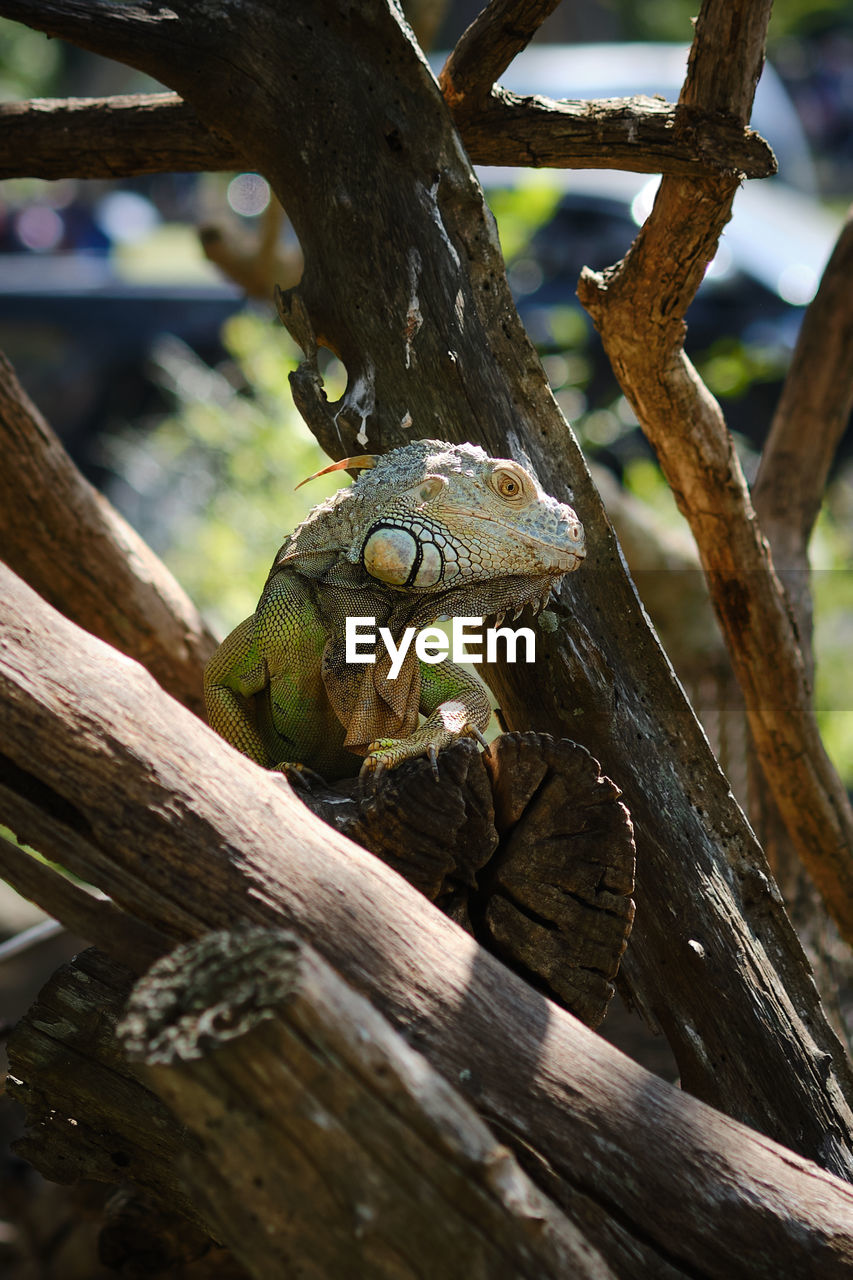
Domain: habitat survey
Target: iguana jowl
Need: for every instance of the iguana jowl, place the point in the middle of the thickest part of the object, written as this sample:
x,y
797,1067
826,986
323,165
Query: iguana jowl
x,y
432,530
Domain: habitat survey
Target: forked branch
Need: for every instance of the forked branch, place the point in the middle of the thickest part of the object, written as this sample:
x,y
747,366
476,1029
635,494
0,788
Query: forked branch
x,y
639,307
487,47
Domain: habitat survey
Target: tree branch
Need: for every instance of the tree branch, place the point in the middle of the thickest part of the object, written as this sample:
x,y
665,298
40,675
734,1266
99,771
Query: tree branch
x,y
401,1151
116,137
487,47
642,135
155,133
137,32
84,913
638,307
351,184
67,541
180,827
810,419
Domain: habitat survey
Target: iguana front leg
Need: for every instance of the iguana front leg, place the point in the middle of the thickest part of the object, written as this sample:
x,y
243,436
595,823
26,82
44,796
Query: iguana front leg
x,y
234,673
456,705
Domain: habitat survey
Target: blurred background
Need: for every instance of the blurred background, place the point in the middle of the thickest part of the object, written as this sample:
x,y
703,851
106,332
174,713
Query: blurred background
x,y
168,385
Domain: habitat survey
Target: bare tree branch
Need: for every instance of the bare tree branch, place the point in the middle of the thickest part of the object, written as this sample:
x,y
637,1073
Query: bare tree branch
x,y
155,133
69,543
127,30
639,307
135,944
116,137
485,50
810,419
642,135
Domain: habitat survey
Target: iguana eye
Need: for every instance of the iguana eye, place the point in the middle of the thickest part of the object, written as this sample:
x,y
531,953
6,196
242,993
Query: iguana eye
x,y
507,484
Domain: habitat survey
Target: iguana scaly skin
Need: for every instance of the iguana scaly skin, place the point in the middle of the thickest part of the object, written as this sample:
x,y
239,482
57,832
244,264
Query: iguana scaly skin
x,y
432,530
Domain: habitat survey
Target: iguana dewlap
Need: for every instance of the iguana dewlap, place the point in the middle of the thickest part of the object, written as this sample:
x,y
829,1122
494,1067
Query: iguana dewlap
x,y
432,530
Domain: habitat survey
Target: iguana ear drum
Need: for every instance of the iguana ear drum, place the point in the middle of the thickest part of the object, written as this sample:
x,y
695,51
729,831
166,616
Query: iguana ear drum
x,y
394,555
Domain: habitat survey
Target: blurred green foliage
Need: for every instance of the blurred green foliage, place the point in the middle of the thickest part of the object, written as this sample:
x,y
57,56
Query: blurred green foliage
x,y
215,480
672,19
28,61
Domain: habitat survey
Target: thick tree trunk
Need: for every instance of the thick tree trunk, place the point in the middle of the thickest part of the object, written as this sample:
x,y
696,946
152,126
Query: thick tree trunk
x,y
336,107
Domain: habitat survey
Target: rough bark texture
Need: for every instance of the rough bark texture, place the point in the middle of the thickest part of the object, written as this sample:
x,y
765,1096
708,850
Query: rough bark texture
x,y
370,168
69,543
402,1174
355,1154
128,136
124,136
528,848
640,134
132,792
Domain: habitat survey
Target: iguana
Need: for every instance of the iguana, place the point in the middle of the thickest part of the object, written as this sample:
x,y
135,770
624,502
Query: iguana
x,y
428,530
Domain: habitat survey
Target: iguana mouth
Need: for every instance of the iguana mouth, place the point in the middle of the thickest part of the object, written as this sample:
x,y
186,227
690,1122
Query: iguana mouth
x,y
554,558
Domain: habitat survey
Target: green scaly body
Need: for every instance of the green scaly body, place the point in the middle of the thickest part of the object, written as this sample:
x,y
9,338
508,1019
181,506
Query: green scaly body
x,y
432,530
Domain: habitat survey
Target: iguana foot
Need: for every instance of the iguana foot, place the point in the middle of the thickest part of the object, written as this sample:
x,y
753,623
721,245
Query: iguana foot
x,y
299,775
388,753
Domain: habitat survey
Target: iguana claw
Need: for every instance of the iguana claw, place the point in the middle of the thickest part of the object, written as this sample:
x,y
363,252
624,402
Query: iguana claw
x,y
475,733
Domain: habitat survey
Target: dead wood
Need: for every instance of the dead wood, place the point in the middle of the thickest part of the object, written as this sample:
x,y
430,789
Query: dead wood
x,y
88,1117
639,134
177,826
319,1122
129,136
119,137
74,548
545,883
601,678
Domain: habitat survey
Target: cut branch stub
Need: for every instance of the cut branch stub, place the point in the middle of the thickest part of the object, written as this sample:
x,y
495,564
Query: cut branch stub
x,y
556,898
318,1123
541,873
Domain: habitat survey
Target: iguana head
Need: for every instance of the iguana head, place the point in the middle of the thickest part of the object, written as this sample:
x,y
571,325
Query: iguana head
x,y
448,526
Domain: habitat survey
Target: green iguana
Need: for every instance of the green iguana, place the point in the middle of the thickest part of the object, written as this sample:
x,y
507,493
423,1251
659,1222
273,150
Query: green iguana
x,y
426,531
